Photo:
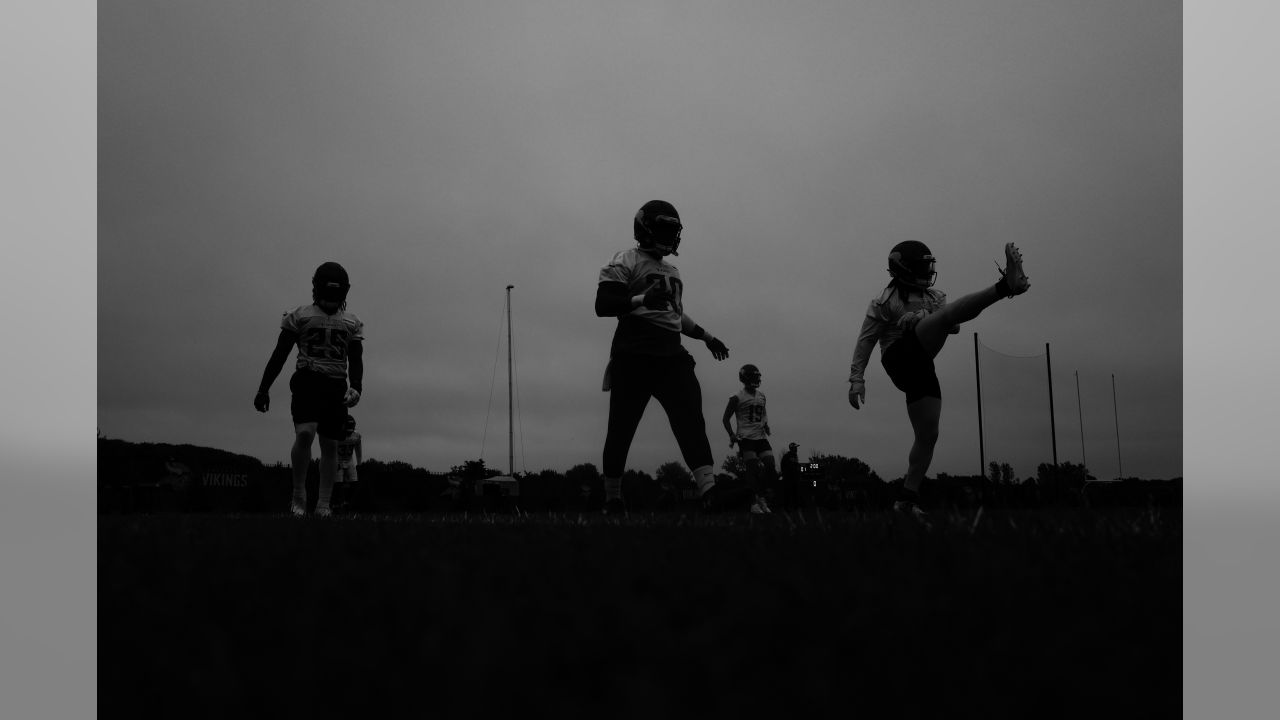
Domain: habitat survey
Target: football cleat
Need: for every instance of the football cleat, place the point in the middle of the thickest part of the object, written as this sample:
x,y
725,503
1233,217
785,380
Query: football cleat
x,y
323,512
911,263
297,510
757,509
1014,277
909,509
711,501
657,226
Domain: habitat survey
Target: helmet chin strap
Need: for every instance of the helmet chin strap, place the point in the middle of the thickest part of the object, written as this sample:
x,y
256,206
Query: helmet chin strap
x,y
656,249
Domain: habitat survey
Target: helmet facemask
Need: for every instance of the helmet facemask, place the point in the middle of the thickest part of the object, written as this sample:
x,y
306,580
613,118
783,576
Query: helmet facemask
x,y
664,234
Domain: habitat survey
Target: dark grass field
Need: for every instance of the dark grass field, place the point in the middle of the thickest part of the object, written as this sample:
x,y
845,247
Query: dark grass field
x,y
1044,613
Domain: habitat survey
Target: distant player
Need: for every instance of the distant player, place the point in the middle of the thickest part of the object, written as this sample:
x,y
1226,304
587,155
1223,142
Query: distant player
x,y
330,342
752,436
791,476
911,321
350,455
646,359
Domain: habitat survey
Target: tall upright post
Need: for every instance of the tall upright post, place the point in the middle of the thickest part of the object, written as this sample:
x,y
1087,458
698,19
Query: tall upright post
x,y
1084,459
1116,410
1053,429
977,373
511,451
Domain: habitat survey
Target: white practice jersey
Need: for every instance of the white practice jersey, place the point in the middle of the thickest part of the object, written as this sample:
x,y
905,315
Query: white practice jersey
x,y
880,324
322,338
751,415
643,330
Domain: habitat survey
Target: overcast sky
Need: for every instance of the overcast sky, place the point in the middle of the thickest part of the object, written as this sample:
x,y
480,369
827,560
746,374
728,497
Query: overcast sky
x,y
443,151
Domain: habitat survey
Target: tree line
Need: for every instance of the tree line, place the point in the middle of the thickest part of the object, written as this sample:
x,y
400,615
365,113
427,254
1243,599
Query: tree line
x,y
156,476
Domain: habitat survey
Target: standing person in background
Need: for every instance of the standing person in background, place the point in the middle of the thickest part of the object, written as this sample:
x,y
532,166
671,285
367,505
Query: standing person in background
x,y
910,320
646,360
326,381
791,477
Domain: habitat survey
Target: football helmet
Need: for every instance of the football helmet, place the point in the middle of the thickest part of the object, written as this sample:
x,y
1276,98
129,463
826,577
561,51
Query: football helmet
x,y
657,226
350,424
330,282
911,263
749,375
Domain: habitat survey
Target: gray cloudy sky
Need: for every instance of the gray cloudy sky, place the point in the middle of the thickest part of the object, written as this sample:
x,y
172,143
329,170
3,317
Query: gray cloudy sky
x,y
441,152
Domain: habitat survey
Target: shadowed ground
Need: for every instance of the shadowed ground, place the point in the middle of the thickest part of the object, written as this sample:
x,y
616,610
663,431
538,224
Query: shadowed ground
x,y
1041,613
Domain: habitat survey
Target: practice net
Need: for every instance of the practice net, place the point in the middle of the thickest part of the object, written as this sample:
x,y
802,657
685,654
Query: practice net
x,y
1017,427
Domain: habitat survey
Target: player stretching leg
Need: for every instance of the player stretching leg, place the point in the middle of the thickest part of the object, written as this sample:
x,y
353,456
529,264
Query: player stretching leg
x,y
911,321
330,344
748,406
646,359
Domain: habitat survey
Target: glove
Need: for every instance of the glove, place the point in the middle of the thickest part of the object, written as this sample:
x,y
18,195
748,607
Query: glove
x,y
353,397
732,439
657,297
857,394
910,319
261,402
717,348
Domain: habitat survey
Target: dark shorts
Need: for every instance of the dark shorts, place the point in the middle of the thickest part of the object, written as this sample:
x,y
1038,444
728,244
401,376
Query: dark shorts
x,y
760,447
910,368
319,399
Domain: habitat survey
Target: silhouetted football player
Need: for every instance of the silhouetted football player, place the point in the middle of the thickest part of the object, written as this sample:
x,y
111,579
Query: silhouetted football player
x,y
646,359
330,342
910,320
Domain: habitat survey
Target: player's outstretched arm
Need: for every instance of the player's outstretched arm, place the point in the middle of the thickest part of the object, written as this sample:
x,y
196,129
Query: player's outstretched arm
x,y
867,338
688,327
729,410
355,372
284,345
857,394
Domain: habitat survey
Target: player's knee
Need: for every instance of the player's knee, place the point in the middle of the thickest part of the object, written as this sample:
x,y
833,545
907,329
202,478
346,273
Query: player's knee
x,y
927,435
305,436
